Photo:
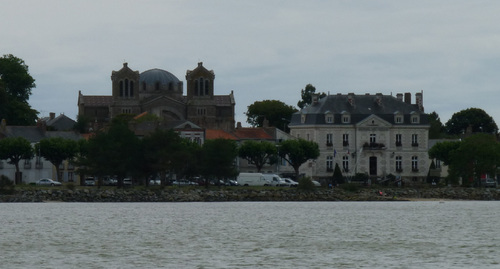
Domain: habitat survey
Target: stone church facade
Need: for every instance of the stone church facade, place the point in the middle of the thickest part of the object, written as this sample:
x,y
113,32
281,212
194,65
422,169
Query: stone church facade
x,y
160,93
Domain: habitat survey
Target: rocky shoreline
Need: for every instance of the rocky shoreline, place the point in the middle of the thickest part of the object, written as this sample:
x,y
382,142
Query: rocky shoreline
x,y
188,194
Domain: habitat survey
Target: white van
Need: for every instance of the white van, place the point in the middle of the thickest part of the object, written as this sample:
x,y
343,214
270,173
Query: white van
x,y
252,179
275,180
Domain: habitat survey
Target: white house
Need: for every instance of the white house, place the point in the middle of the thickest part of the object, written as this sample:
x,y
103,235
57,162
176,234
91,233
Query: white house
x,y
373,134
37,167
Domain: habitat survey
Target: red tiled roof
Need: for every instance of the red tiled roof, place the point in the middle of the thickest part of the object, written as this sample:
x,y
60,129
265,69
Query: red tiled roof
x,y
252,133
214,134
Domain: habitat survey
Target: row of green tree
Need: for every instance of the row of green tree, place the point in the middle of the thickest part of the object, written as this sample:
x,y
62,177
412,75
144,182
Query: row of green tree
x,y
469,159
119,152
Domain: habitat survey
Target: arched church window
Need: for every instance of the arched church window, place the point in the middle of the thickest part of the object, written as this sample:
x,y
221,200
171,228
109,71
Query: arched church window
x,y
196,93
157,86
144,86
170,86
121,88
201,86
126,87
131,88
206,87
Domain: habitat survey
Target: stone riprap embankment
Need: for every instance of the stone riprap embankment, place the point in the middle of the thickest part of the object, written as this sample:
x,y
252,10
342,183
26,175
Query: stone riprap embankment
x,y
189,194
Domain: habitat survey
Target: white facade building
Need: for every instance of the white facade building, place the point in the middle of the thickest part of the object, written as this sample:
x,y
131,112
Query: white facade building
x,y
376,135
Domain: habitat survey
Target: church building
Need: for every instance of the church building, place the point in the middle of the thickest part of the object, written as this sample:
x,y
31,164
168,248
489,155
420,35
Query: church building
x,y
160,93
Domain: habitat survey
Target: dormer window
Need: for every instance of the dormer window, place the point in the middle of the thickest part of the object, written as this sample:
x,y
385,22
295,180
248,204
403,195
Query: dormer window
x,y
415,118
328,117
398,118
346,117
303,118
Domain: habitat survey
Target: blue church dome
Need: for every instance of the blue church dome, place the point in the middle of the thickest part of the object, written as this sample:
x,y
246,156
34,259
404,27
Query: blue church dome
x,y
156,75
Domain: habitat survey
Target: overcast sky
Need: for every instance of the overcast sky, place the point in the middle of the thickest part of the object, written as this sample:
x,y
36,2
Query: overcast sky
x,y
263,50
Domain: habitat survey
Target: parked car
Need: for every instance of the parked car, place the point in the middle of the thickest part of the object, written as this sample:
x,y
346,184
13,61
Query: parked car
x,y
48,182
156,181
275,180
231,182
316,183
252,179
109,181
489,183
290,182
127,182
90,181
183,182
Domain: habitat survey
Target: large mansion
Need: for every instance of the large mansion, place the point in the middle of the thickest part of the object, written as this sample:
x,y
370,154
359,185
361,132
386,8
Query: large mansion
x,y
373,134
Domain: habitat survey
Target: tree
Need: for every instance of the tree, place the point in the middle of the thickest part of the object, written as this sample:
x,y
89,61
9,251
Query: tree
x,y
258,153
15,88
437,129
56,150
218,159
113,152
477,155
15,149
161,152
307,94
443,151
297,152
475,118
337,175
276,112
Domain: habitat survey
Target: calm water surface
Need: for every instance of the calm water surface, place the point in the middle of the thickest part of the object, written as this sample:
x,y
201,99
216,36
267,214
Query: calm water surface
x,y
451,234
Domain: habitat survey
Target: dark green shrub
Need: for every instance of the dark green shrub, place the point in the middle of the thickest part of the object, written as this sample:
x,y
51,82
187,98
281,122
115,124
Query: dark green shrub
x,y
6,185
305,183
350,187
70,186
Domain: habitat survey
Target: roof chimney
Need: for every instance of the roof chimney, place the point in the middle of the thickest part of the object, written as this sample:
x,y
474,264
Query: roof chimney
x,y
238,125
408,98
399,96
419,98
52,115
314,99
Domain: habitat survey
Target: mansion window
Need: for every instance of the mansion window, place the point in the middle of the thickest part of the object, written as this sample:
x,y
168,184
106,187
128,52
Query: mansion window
x,y
329,118
399,119
414,163
345,140
345,163
329,163
329,140
438,164
399,164
302,118
415,118
399,142
414,140
126,111
373,138
27,163
346,118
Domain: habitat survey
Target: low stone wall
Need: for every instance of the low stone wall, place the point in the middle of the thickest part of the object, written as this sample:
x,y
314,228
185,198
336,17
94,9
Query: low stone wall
x,y
190,194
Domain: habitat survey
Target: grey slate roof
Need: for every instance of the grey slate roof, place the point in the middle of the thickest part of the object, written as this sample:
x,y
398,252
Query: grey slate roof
x,y
364,106
34,133
60,123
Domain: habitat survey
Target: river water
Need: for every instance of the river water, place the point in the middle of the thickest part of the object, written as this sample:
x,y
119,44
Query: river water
x,y
431,234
